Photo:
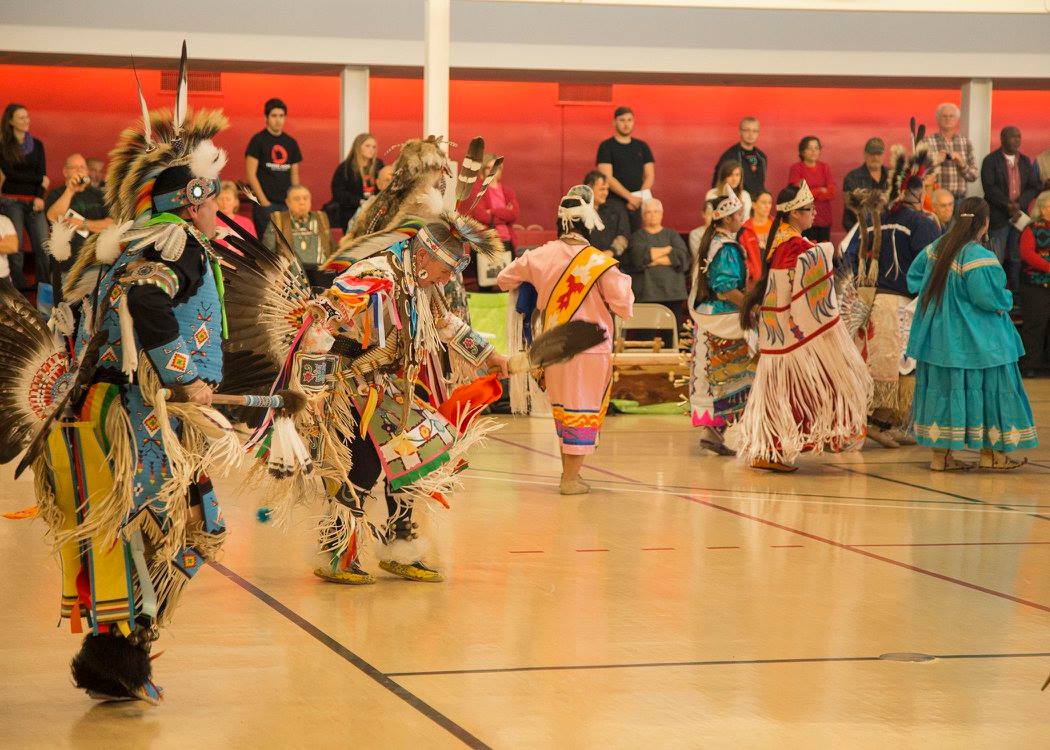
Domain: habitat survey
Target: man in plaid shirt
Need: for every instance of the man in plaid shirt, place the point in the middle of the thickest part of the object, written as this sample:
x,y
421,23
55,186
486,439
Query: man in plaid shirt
x,y
952,153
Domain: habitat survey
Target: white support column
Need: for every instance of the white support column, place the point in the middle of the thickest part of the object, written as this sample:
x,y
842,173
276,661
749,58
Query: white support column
x,y
353,106
976,121
436,42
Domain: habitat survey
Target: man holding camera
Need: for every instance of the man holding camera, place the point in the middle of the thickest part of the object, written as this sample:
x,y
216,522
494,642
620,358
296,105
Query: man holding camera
x,y
78,203
952,153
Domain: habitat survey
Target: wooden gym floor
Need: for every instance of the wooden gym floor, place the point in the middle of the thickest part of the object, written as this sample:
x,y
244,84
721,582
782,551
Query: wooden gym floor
x,y
687,602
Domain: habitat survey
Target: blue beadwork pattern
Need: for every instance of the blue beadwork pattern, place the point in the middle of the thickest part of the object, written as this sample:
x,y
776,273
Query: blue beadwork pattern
x,y
173,363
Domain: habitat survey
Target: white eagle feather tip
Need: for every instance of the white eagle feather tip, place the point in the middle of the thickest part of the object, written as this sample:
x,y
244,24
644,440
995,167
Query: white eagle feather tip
x,y
207,160
107,247
61,246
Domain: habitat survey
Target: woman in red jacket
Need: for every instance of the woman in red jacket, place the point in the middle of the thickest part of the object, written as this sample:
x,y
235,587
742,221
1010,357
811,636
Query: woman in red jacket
x,y
817,175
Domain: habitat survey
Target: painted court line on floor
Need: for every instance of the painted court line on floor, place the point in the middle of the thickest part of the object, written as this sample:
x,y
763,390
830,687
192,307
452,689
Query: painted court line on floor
x,y
384,680
814,537
943,492
743,497
707,663
690,488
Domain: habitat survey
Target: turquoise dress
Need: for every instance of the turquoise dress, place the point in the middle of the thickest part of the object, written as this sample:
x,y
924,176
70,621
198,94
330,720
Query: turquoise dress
x,y
726,271
968,390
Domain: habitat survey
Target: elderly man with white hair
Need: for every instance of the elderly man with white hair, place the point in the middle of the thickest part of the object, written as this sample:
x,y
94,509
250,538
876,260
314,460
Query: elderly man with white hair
x,y
658,262
307,230
952,153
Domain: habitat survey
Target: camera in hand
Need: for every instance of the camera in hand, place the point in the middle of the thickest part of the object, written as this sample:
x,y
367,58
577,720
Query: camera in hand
x,y
83,180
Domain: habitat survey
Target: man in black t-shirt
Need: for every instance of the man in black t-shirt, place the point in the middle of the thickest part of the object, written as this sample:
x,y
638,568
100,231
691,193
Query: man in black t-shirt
x,y
628,165
78,203
752,159
272,162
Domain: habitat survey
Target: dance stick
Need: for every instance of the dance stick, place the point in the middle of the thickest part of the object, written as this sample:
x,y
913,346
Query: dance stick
x,y
289,401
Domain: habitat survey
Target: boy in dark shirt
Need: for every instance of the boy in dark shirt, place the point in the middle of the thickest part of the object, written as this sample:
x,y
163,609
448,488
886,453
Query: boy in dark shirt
x,y
628,165
272,162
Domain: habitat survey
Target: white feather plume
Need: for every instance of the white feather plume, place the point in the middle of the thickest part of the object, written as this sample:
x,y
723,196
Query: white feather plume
x,y
61,240
207,160
107,246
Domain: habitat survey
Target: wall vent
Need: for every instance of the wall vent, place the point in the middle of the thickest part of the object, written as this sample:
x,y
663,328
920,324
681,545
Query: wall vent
x,y
200,81
584,93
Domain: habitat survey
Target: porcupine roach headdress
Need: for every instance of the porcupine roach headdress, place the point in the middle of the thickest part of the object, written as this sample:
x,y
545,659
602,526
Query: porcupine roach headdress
x,y
167,139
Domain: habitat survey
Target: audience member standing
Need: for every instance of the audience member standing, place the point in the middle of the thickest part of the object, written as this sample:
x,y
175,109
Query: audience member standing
x,y
730,174
870,175
817,175
952,153
1034,292
25,184
354,180
613,238
78,203
272,163
1010,184
658,261
754,236
498,207
751,158
306,229
628,165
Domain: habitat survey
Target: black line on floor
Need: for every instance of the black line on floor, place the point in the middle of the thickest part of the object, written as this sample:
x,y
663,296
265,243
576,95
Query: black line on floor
x,y
942,492
806,534
339,649
708,663
750,496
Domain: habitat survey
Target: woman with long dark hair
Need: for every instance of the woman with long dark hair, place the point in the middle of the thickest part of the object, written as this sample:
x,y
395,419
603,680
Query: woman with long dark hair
x,y
354,180
968,390
573,280
811,388
723,363
25,183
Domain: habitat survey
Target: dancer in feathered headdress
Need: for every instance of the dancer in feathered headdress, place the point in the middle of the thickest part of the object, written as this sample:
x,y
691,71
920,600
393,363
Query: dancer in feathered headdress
x,y
881,250
811,387
421,187
121,473
723,358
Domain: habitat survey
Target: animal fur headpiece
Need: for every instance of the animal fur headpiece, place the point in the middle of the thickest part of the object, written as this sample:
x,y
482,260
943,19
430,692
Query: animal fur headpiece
x,y
416,196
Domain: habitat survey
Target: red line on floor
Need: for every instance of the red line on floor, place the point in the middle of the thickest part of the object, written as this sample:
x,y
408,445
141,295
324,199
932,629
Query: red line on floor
x,y
787,545
806,534
950,544
723,548
525,551
655,549
592,550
